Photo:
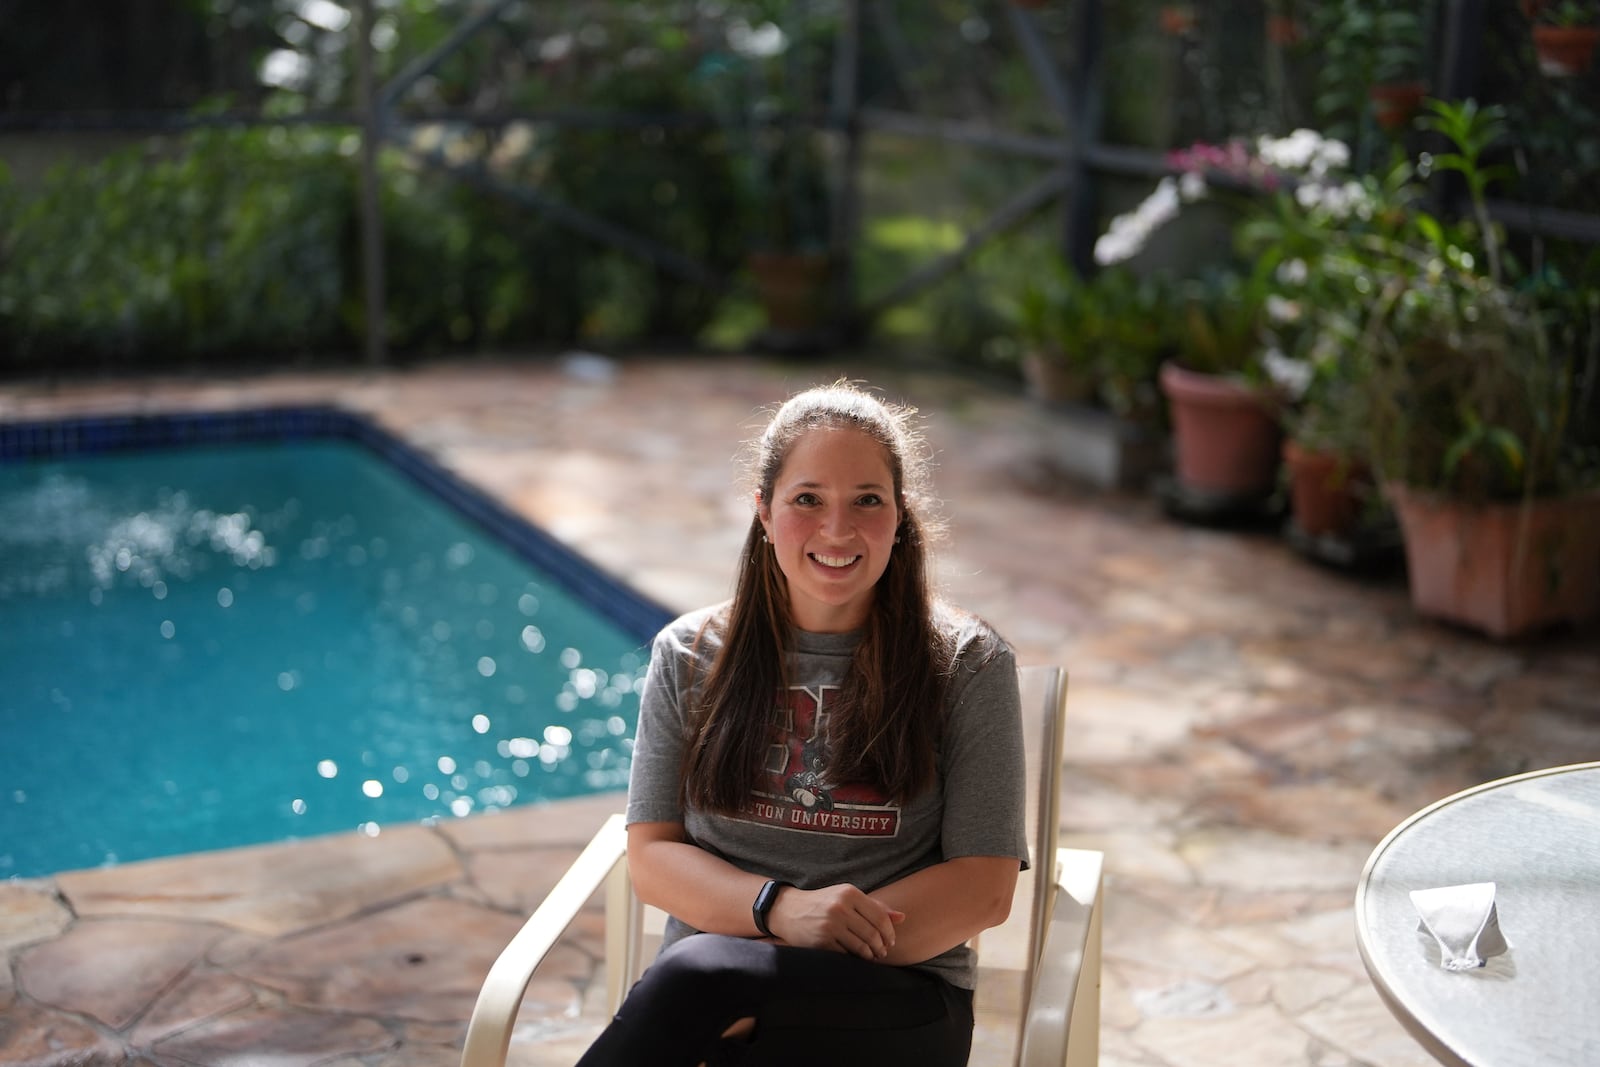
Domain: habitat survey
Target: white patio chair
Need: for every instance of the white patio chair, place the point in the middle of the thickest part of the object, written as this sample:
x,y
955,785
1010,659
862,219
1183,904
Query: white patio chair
x,y
1042,966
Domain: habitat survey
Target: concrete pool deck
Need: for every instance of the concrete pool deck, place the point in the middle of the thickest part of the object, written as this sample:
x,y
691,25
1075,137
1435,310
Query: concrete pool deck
x,y
1245,727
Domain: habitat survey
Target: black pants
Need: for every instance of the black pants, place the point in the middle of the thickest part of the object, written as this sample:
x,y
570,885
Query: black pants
x,y
810,1006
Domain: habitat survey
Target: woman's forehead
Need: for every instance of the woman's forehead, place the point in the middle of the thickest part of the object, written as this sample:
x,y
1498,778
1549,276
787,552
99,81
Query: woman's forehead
x,y
836,452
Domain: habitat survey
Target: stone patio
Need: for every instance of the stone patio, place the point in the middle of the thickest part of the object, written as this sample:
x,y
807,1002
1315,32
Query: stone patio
x,y
1246,726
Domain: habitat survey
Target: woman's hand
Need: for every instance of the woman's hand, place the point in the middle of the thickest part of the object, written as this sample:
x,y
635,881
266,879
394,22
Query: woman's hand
x,y
840,918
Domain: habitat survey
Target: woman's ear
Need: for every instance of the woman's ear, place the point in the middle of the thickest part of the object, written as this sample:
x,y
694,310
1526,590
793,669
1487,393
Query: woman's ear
x,y
763,515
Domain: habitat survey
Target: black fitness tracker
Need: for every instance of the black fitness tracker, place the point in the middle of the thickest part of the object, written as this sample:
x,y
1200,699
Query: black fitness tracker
x,y
763,904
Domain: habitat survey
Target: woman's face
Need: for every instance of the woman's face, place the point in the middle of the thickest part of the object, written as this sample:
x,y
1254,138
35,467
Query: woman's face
x,y
831,523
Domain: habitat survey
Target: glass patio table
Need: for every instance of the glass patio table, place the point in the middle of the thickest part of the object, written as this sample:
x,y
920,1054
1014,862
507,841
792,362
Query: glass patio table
x,y
1536,836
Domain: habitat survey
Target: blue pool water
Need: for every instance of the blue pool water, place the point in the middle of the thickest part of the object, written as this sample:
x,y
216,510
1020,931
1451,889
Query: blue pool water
x,y
250,642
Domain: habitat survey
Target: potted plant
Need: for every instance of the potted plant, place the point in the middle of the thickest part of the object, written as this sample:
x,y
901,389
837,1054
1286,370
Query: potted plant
x,y
1223,410
1047,306
788,257
1225,427
1398,88
1470,406
1564,37
1089,349
1321,230
1500,532
1134,340
1333,496
768,102
1372,54
1095,340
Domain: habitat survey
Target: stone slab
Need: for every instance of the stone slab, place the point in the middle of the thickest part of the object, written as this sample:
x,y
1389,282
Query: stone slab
x,y
112,969
271,889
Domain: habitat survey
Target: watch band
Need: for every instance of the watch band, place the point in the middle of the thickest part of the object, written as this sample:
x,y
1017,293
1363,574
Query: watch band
x,y
762,907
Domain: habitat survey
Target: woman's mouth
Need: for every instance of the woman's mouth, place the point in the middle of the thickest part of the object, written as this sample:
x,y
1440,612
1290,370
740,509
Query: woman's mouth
x,y
834,562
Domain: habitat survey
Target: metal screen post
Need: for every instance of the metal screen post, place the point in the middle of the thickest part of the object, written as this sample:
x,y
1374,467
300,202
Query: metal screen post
x,y
1081,216
371,214
845,120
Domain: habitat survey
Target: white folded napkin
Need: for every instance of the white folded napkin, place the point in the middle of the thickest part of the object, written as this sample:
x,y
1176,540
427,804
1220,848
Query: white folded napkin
x,y
1464,921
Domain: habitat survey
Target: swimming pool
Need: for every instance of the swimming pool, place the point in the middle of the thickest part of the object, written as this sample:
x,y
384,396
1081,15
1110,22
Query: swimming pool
x,y
301,627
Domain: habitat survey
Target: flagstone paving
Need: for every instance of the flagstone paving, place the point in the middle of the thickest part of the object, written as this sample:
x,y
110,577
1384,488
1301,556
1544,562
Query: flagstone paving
x,y
1246,726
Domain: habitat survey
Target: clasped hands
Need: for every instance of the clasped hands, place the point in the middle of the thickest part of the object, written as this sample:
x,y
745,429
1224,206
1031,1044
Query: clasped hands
x,y
839,918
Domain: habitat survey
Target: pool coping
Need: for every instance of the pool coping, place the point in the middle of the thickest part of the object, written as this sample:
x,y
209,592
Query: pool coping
x,y
619,603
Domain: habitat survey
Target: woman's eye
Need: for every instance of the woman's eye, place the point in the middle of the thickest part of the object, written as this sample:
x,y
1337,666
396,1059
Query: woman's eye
x,y
871,500
806,500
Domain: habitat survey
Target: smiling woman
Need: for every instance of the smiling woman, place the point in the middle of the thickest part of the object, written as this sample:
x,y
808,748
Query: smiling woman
x,y
826,786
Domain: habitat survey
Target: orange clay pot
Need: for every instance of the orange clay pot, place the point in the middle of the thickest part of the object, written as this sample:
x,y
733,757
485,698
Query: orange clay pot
x,y
1395,103
1284,30
1564,50
1225,434
1326,490
1176,19
1503,568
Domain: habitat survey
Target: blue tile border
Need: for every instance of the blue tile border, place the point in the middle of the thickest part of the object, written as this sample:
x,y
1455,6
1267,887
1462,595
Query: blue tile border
x,y
636,614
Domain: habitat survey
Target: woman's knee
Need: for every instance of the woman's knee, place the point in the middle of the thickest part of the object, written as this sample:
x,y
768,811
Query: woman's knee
x,y
707,968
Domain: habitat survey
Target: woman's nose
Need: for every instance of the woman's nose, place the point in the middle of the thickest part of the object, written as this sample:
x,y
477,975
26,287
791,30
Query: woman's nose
x,y
836,522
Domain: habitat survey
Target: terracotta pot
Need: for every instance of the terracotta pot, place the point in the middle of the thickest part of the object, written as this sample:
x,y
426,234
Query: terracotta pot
x,y
1505,569
1564,50
1225,434
1176,19
793,289
1284,30
1327,491
1395,103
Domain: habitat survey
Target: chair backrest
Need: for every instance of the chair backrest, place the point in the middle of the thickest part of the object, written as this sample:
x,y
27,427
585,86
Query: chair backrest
x,y
1044,707
1008,954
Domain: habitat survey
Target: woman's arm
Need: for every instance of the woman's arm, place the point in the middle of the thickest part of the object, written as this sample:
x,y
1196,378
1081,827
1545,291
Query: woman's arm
x,y
982,758
712,895
948,903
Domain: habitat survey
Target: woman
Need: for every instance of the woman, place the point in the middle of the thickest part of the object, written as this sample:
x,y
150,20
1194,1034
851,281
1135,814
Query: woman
x,y
826,794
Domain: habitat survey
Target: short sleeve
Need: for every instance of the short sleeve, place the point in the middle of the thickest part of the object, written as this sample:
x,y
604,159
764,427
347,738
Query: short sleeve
x,y
653,793
983,768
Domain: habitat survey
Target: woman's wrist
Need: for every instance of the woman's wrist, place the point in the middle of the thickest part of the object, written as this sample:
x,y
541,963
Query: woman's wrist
x,y
766,899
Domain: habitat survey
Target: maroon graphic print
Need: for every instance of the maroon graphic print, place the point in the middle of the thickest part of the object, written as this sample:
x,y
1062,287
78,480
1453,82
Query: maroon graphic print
x,y
795,792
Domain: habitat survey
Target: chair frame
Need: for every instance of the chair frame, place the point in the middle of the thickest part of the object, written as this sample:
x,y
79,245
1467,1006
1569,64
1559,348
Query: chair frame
x,y
1059,1023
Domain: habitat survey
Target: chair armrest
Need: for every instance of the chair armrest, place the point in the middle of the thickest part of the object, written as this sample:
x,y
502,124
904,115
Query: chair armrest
x,y
1062,1024
489,1032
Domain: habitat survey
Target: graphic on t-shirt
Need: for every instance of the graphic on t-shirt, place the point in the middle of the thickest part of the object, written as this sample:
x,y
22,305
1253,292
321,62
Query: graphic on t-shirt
x,y
795,791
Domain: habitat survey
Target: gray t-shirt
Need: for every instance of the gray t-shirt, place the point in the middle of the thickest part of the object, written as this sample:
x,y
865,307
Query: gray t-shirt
x,y
798,826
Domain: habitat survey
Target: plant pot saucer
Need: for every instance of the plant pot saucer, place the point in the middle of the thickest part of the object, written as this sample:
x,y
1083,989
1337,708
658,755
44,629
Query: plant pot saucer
x,y
1376,548
1207,508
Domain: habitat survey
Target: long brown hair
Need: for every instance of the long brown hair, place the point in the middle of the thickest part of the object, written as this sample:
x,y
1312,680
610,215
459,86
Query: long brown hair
x,y
887,718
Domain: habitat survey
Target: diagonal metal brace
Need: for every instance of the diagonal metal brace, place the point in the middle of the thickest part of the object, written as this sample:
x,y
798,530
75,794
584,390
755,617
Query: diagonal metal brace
x,y
1010,213
579,221
424,65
